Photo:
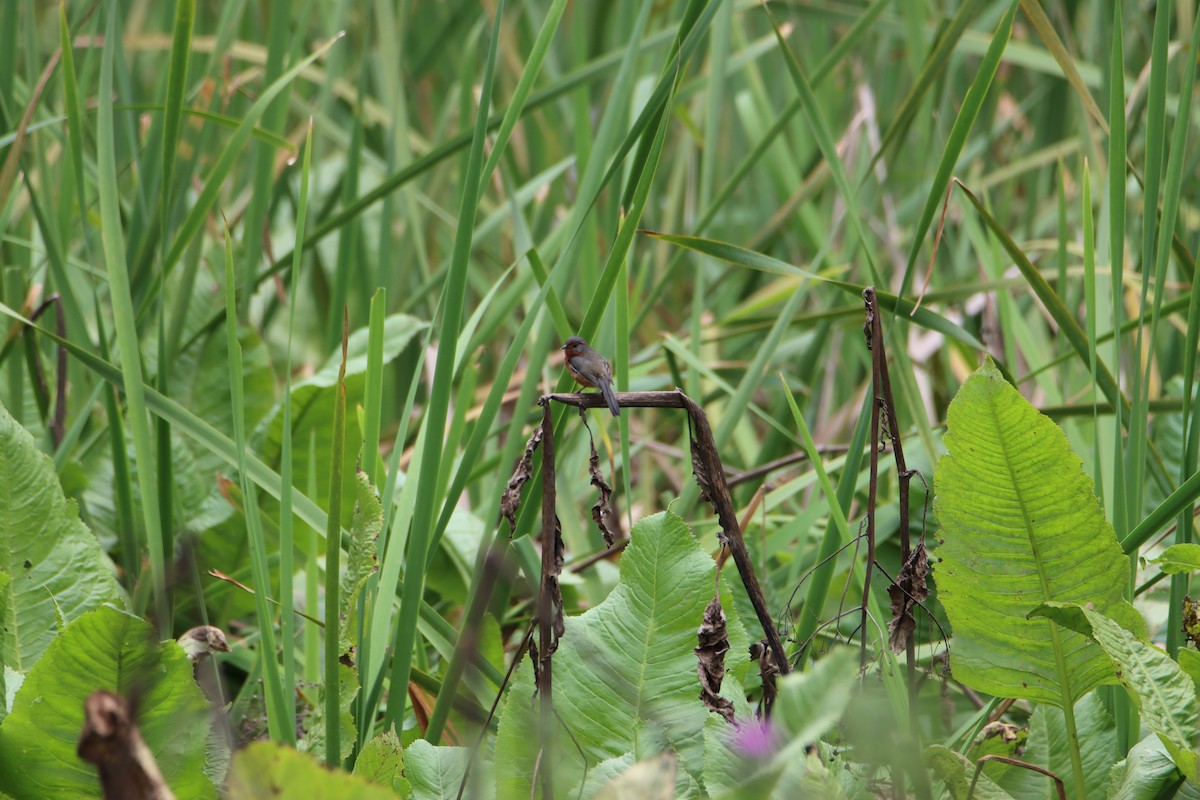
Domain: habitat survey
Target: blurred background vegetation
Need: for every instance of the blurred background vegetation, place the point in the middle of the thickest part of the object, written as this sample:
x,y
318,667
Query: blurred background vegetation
x,y
127,156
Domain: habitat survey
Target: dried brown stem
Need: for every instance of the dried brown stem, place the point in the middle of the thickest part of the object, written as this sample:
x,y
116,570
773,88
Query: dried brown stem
x,y
110,740
550,602
710,474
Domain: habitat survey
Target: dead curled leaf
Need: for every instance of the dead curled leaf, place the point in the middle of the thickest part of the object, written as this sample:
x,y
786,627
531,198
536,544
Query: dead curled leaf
x,y
710,655
510,501
909,589
602,511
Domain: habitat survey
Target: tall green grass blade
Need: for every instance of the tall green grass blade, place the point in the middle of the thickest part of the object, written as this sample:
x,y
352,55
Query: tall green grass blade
x,y
963,123
286,517
1045,29
1170,212
333,554
113,241
274,116
131,554
230,155
371,462
281,726
1156,122
439,397
835,537
181,51
820,131
1116,231
533,67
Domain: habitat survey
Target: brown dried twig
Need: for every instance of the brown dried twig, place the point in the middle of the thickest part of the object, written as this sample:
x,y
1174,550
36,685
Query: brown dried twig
x,y
550,602
710,475
110,739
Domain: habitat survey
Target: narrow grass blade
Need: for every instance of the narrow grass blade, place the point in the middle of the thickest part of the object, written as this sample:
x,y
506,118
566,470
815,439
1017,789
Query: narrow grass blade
x,y
286,517
282,727
439,398
963,123
333,554
127,338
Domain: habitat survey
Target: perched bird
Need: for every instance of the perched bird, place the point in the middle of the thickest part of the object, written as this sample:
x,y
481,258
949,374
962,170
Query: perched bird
x,y
589,368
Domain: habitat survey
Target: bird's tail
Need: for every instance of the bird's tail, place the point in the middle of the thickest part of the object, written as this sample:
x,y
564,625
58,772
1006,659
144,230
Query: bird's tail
x,y
610,398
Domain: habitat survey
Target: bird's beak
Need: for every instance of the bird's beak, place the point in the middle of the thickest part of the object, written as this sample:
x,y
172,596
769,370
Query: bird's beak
x,y
564,347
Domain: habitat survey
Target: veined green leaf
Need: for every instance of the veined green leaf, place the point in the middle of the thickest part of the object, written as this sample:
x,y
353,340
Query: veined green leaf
x,y
1021,526
111,650
266,770
56,566
1163,692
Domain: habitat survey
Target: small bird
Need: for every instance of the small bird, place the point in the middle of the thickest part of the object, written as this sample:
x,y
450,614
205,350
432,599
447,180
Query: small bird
x,y
589,368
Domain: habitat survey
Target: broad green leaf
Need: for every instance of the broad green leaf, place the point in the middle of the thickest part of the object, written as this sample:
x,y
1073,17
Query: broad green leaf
x,y
631,660
313,740
1097,744
812,702
55,564
750,760
652,778
1021,526
1163,692
516,738
1179,558
381,761
629,664
956,772
198,499
435,773
1147,773
111,650
1189,662
266,770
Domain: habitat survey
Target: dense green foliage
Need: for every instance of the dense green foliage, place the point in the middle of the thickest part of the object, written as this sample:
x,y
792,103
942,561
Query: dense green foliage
x,y
282,287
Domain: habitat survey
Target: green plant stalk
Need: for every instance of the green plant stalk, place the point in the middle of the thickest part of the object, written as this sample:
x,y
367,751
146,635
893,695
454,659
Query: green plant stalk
x,y
287,621
273,118
126,325
1123,710
836,514
371,462
491,407
74,148
1089,300
333,555
312,578
391,545
1156,115
1068,709
1116,232
282,727
185,13
122,483
1170,212
166,474
199,212
435,418
346,261
181,50
821,577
